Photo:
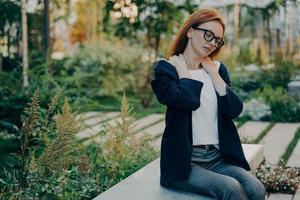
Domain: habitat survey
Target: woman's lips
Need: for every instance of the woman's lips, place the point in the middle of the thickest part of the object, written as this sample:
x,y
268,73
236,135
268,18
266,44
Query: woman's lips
x,y
207,49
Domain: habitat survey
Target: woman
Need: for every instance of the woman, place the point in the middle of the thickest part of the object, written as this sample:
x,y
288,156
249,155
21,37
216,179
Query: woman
x,y
201,151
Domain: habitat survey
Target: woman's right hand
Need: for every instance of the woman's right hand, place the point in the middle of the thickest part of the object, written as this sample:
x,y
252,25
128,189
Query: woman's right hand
x,y
179,63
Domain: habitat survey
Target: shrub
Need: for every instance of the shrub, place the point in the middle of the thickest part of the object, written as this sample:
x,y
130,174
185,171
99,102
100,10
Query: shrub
x,y
284,108
123,152
245,82
245,56
105,69
279,76
278,178
257,109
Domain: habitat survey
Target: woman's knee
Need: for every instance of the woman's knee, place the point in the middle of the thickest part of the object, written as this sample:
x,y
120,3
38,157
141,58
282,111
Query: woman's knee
x,y
232,190
255,190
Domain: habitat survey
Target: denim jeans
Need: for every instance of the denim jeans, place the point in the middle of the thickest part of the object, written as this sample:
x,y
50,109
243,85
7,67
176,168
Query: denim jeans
x,y
211,175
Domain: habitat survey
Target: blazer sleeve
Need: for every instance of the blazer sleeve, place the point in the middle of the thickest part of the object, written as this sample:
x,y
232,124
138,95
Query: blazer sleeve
x,y
230,104
183,93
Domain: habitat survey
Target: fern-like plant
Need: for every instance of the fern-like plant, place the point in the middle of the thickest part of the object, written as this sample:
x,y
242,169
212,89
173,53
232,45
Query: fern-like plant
x,y
30,121
123,151
58,155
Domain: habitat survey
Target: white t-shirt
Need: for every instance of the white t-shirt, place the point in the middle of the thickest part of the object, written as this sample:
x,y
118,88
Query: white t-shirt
x,y
205,118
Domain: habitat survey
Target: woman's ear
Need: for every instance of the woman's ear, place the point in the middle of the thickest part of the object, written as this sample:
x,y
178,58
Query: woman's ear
x,y
189,33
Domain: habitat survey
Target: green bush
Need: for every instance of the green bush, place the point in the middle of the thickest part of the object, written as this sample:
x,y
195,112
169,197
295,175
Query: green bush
x,y
92,73
284,108
279,76
256,109
245,82
245,56
105,69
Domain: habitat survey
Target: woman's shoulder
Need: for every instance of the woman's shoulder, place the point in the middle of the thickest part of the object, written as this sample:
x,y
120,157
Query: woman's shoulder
x,y
162,62
162,65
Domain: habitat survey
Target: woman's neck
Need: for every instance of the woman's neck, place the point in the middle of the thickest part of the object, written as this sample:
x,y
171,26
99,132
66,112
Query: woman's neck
x,y
192,59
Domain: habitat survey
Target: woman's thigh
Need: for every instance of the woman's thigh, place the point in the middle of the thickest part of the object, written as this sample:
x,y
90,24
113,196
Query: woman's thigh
x,y
253,187
204,181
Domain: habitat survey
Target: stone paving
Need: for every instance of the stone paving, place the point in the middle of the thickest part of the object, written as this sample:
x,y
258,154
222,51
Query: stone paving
x,y
294,160
154,130
280,196
277,140
100,118
251,130
87,115
92,131
297,195
147,121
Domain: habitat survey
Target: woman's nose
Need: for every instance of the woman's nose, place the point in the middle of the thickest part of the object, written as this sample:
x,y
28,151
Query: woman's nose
x,y
213,44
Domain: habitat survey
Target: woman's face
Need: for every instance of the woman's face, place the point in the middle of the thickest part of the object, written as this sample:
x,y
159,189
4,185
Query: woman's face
x,y
197,37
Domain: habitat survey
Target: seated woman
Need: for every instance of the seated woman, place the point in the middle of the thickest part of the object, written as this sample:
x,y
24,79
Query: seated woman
x,y
201,151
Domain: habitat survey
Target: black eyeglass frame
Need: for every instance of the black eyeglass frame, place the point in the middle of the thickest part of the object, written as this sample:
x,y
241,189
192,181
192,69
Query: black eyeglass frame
x,y
214,37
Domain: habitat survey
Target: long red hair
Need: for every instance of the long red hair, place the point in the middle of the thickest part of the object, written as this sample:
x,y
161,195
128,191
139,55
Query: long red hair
x,y
198,17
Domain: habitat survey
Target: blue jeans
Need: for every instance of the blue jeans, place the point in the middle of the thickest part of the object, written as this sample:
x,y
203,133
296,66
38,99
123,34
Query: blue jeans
x,y
211,175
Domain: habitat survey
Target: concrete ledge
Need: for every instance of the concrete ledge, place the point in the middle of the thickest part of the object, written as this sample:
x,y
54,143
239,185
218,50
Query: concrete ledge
x,y
144,184
254,155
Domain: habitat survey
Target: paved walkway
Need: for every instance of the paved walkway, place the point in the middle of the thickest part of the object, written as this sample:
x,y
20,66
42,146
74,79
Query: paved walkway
x,y
294,160
277,140
251,130
148,121
280,196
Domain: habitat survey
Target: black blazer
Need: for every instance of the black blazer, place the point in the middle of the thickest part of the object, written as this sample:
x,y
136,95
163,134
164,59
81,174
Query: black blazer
x,y
182,96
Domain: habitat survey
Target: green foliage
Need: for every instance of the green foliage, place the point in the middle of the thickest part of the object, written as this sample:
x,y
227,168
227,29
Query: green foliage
x,y
92,70
244,82
155,19
30,122
10,16
245,56
58,155
123,149
13,100
57,166
284,108
256,109
104,70
9,144
279,76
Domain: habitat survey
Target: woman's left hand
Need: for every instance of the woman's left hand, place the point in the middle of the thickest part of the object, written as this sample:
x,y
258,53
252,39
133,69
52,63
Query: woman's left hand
x,y
209,65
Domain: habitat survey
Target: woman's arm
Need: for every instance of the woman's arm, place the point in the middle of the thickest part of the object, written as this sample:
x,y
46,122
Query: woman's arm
x,y
228,101
231,105
183,93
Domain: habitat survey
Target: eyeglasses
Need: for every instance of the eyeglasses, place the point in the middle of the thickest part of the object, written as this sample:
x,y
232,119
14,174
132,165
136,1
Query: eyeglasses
x,y
209,36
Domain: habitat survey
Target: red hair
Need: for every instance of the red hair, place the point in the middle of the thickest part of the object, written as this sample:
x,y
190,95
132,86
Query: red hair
x,y
198,17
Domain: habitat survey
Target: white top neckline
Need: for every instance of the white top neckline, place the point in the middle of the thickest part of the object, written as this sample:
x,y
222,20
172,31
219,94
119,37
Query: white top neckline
x,y
195,69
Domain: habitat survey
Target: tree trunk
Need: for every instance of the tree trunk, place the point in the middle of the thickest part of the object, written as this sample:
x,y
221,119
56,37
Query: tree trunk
x,y
269,36
95,20
88,28
0,62
100,29
46,27
278,52
25,45
236,37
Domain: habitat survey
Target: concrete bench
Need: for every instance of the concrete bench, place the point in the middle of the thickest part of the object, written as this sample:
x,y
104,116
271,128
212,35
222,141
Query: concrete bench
x,y
144,184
